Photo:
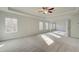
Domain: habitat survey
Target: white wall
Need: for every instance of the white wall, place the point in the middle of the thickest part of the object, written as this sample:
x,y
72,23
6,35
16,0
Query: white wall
x,y
60,24
72,28
75,26
26,26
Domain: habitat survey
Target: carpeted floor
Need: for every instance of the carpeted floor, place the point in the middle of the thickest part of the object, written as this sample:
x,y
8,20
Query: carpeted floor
x,y
48,42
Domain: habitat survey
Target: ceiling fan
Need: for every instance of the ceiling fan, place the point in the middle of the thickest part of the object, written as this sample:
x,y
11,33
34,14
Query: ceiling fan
x,y
47,10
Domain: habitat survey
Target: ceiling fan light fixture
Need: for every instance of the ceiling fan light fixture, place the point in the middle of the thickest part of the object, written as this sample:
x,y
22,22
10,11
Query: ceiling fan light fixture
x,y
47,10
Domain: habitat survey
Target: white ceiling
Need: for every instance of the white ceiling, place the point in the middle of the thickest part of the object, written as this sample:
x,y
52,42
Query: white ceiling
x,y
34,11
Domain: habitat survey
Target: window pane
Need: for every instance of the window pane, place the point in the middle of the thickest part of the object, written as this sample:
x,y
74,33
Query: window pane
x,y
10,25
40,25
46,26
50,26
54,26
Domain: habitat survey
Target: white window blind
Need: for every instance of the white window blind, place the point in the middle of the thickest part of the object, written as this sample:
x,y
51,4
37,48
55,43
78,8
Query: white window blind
x,y
10,25
40,26
46,25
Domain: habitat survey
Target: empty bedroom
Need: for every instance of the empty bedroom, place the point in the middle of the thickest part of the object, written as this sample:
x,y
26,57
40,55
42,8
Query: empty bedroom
x,y
39,29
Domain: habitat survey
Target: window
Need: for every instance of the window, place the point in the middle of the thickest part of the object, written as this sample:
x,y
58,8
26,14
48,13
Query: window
x,y
46,26
50,26
40,26
54,25
10,25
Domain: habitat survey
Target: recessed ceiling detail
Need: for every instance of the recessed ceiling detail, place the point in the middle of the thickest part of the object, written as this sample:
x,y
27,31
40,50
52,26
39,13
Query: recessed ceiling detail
x,y
56,11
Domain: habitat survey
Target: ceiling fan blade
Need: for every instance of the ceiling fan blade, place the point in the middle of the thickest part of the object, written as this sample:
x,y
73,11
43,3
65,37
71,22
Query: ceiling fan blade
x,y
45,8
51,9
